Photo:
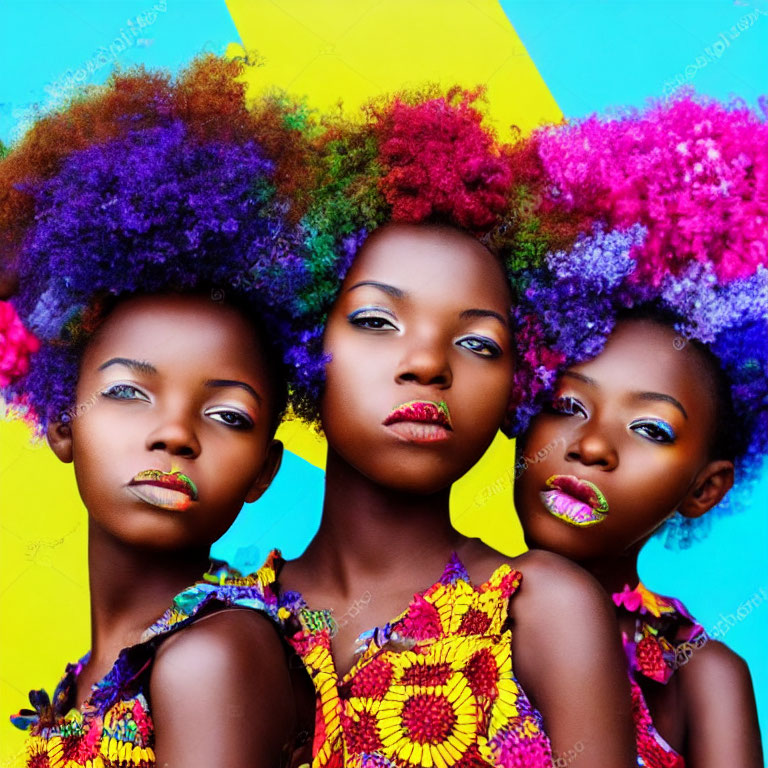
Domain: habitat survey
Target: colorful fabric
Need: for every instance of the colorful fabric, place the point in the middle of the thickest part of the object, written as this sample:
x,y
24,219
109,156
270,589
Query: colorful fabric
x,y
434,687
114,728
666,636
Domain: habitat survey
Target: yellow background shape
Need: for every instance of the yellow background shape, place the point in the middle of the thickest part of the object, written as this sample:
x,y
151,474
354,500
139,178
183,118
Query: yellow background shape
x,y
348,50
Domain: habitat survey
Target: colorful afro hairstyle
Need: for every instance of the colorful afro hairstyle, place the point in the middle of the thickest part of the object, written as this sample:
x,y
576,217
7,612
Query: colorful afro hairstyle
x,y
148,185
208,97
677,196
415,158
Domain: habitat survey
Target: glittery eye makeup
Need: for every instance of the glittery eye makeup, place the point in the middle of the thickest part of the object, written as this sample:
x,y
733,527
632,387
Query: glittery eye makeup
x,y
657,430
230,417
373,318
122,391
480,345
568,406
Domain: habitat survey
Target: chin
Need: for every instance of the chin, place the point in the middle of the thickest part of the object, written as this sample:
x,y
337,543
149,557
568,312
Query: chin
x,y
410,480
541,531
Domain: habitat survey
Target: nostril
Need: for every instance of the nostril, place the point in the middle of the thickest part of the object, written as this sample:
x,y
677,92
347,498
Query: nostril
x,y
182,450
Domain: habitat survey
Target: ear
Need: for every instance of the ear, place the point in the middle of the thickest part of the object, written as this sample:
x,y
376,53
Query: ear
x,y
711,485
59,437
268,471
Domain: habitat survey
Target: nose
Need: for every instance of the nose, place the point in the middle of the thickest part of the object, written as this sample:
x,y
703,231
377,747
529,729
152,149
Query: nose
x,y
425,363
593,449
175,435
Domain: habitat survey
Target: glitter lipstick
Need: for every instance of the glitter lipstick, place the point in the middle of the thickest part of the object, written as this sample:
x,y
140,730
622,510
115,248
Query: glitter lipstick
x,y
166,490
577,502
420,421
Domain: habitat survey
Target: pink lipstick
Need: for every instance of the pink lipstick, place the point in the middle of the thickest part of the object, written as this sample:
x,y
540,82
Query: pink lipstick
x,y
166,490
420,421
577,502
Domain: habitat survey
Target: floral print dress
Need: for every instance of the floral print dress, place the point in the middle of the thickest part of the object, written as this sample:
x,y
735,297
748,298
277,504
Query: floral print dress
x,y
114,728
666,636
434,687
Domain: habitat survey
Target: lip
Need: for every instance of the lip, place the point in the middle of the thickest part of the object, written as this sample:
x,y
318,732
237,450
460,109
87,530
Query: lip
x,y
420,421
574,501
166,490
422,412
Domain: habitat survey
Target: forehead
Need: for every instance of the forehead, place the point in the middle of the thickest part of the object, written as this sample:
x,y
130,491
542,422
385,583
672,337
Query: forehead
x,y
179,332
649,356
432,260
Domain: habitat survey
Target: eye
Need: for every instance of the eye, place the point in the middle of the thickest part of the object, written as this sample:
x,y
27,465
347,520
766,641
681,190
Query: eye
x,y
231,418
124,392
480,345
373,318
658,431
568,406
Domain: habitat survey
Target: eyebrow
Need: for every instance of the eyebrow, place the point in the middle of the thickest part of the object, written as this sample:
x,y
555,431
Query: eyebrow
x,y
659,396
646,396
484,313
141,366
580,377
396,293
216,383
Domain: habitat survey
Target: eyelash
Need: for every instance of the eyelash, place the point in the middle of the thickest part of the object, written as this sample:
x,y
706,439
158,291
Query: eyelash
x,y
242,422
568,406
651,429
371,319
368,316
487,347
657,431
113,391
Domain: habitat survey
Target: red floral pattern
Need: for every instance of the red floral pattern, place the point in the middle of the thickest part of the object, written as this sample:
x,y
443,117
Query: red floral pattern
x,y
665,636
434,687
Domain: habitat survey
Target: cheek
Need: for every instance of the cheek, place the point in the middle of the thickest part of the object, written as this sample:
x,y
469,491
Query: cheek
x,y
659,481
353,396
480,395
545,441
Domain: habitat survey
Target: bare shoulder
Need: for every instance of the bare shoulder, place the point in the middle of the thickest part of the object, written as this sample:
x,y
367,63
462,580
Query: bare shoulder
x,y
216,642
714,666
231,653
721,714
220,694
551,584
559,585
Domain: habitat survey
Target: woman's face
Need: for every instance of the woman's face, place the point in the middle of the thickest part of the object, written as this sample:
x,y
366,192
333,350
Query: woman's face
x,y
171,432
624,444
421,363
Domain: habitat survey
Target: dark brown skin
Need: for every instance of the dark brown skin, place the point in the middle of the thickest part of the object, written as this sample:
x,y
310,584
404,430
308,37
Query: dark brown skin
x,y
604,428
173,411
435,329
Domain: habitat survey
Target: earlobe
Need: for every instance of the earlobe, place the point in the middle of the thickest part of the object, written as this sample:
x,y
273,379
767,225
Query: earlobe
x,y
59,437
711,485
268,471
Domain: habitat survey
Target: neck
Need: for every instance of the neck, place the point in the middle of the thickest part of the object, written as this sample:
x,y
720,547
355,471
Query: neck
x,y
370,530
131,588
615,572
